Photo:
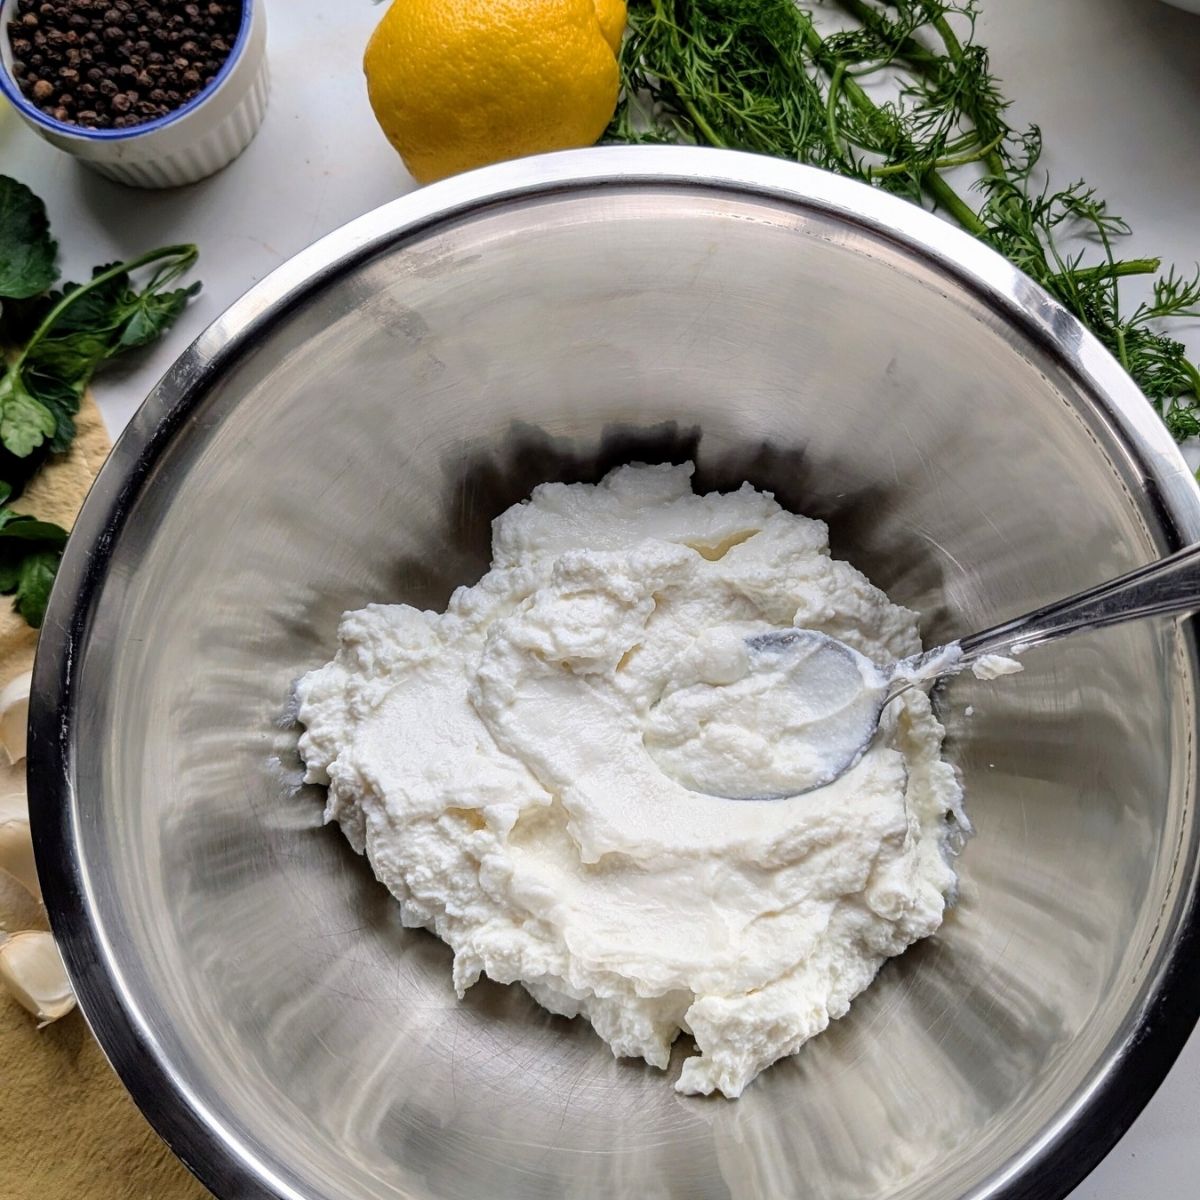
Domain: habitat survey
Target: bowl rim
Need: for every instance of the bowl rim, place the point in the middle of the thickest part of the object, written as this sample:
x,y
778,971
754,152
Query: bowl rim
x,y
11,90
225,1158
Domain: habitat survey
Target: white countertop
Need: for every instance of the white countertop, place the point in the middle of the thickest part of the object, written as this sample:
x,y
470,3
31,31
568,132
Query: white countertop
x,y
1115,85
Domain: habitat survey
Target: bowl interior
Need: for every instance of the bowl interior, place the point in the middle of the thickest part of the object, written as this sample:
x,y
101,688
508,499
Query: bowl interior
x,y
357,449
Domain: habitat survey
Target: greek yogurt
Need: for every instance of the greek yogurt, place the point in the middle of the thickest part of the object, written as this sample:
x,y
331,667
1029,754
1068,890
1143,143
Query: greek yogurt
x,y
510,769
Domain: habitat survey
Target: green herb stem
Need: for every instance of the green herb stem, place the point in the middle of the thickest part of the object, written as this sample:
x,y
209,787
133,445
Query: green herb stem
x,y
697,118
1123,267
954,48
835,84
185,253
947,198
953,160
907,48
941,192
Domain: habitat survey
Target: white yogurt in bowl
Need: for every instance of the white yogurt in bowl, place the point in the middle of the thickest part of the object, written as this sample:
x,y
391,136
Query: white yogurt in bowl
x,y
516,771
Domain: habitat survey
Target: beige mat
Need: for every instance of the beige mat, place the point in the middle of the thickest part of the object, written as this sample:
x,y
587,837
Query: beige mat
x,y
68,1130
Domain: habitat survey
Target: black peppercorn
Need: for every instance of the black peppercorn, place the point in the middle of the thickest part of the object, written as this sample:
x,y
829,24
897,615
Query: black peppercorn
x,y
114,64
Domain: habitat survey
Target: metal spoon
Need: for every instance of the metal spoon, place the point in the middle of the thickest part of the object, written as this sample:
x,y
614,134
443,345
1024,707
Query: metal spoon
x,y
815,661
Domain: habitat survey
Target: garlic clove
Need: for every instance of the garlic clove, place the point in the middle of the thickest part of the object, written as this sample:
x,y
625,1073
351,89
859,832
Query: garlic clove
x,y
18,909
16,844
14,715
33,972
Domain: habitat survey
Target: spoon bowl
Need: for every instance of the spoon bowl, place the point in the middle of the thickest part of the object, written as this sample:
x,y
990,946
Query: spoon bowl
x,y
839,695
832,698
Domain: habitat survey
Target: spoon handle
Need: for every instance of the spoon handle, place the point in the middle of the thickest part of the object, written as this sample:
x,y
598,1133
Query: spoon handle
x,y
1170,585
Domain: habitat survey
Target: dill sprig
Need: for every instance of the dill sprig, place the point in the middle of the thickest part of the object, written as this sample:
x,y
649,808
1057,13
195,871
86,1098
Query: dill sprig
x,y
759,75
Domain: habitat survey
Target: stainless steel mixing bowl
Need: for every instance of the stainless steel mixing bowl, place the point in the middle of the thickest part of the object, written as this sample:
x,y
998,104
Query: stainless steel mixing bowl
x,y
345,433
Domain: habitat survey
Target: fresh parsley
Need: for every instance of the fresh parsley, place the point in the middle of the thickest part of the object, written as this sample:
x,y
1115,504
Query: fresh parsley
x,y
759,75
51,343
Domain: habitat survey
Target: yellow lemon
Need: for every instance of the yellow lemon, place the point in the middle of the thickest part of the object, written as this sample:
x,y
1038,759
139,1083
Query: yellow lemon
x,y
456,84
611,15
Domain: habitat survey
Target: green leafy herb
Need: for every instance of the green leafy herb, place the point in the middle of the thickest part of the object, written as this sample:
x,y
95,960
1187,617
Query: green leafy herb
x,y
62,338
27,251
30,551
85,325
758,75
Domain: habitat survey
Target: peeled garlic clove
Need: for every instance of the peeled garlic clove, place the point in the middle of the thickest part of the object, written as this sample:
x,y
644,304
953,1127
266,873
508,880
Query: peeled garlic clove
x,y
16,844
14,716
18,909
32,971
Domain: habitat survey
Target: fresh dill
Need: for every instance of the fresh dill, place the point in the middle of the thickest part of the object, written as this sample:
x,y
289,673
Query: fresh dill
x,y
759,75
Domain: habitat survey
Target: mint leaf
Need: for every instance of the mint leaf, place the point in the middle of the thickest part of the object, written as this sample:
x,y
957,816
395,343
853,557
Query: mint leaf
x,y
151,315
27,251
34,581
62,399
114,311
85,325
25,422
30,551
21,528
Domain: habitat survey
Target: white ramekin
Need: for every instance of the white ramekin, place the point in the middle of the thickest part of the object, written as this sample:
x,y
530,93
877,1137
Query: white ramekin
x,y
187,144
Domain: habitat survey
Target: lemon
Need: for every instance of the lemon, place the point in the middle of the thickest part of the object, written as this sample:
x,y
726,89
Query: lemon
x,y
611,15
456,84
